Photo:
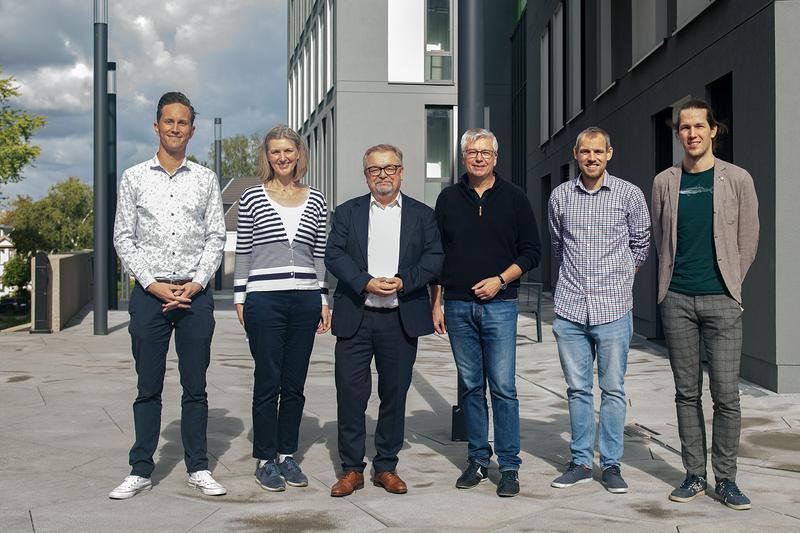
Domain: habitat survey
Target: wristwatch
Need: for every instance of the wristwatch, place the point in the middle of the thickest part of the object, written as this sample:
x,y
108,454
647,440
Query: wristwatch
x,y
503,284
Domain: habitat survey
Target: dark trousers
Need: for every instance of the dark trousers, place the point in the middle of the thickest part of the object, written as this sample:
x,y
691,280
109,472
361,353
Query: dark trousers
x,y
151,330
380,333
719,319
280,327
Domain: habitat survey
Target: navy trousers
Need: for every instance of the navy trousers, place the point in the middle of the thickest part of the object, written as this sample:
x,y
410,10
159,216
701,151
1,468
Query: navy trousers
x,y
151,330
380,333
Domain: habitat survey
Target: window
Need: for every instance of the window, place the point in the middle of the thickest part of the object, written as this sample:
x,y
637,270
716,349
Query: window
x,y
329,36
604,76
544,85
438,151
688,10
438,49
648,27
719,95
574,59
519,84
557,70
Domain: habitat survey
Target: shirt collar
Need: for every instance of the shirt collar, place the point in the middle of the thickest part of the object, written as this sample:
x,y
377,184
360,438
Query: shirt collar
x,y
155,164
609,182
396,202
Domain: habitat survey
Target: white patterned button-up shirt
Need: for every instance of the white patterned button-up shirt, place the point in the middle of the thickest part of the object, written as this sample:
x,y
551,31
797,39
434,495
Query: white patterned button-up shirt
x,y
600,238
169,226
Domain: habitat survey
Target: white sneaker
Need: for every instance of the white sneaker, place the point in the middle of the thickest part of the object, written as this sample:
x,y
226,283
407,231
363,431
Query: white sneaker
x,y
129,488
202,480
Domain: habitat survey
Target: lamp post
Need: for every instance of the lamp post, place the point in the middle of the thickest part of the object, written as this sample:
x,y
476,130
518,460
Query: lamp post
x,y
218,170
100,167
112,185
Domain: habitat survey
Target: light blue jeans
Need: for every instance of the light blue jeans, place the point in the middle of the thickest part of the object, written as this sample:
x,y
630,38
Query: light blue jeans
x,y
578,346
483,337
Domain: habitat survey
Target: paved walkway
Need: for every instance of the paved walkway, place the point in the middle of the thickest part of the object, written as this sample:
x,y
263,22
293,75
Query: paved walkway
x,y
67,425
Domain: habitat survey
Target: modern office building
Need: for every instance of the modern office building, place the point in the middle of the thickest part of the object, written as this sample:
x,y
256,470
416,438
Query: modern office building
x,y
624,65
363,72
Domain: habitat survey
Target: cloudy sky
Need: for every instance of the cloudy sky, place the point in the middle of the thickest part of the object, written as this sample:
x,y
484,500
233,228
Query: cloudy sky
x,y
228,56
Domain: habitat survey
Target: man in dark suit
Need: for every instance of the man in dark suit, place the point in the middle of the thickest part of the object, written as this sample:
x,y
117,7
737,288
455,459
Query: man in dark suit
x,y
384,249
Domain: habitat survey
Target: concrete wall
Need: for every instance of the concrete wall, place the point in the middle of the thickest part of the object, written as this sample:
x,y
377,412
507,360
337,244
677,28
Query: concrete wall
x,y
69,287
735,37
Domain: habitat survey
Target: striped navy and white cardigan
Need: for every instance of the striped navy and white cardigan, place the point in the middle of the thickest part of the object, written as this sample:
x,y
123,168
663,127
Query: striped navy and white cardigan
x,y
266,260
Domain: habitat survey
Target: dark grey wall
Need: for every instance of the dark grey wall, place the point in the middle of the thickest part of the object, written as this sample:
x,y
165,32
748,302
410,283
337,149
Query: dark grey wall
x,y
735,37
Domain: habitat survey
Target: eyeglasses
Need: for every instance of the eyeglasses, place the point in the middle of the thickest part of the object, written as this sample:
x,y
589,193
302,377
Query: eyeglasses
x,y
390,170
486,154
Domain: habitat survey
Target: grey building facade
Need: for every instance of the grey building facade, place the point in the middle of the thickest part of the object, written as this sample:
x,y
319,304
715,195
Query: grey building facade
x,y
624,65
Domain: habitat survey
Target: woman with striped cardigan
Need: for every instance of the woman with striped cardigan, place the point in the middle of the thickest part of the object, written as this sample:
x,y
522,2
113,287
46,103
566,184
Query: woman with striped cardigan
x,y
281,298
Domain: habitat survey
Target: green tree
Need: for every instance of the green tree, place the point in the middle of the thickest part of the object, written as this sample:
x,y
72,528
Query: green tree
x,y
238,155
16,129
59,222
17,272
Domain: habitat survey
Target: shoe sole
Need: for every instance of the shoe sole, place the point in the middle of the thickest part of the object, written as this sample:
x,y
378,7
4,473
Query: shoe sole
x,y
568,485
684,500
472,486
292,484
357,487
381,485
128,495
740,507
279,489
507,494
208,492
616,491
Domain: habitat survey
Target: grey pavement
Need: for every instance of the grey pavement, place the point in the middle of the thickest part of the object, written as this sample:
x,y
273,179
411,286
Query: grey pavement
x,y
67,426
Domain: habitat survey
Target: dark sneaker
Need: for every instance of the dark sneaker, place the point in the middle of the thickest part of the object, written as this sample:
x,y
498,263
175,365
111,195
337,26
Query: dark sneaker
x,y
692,487
509,484
729,493
291,473
474,474
612,480
575,474
269,477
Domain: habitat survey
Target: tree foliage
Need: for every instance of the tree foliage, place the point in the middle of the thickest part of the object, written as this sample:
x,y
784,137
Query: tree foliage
x,y
59,222
17,272
238,155
16,129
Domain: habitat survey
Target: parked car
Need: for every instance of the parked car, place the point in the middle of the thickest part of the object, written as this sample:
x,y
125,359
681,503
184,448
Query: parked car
x,y
9,305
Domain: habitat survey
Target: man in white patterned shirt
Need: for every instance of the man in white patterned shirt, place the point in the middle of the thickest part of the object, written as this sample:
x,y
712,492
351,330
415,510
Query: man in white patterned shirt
x,y
170,232
600,231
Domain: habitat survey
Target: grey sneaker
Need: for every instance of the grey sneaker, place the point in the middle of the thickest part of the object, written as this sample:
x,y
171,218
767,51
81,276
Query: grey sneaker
x,y
130,487
727,491
509,484
612,480
474,474
574,474
269,477
692,487
291,473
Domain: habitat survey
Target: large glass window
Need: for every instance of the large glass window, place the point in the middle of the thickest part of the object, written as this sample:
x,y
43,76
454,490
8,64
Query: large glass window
x,y
649,27
438,45
557,69
604,75
438,151
544,85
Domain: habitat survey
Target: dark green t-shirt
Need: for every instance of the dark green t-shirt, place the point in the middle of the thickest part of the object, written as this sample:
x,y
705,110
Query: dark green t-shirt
x,y
696,271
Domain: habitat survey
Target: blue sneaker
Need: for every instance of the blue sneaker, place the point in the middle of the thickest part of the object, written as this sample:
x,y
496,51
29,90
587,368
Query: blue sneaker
x,y
731,495
692,487
575,474
291,473
612,480
269,477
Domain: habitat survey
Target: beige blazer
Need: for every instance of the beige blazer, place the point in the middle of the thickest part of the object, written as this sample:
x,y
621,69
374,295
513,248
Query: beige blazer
x,y
735,224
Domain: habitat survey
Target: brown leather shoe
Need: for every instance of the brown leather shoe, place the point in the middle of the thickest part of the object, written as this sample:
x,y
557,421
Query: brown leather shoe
x,y
349,482
390,481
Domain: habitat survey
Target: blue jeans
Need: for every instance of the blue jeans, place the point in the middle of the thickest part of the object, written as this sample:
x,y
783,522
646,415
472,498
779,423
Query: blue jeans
x,y
578,346
483,338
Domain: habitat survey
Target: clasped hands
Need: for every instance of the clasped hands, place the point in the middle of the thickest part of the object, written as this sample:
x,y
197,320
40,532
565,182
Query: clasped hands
x,y
174,296
384,286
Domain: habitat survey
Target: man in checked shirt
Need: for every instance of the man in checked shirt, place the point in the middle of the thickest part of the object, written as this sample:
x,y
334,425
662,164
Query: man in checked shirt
x,y
169,232
600,230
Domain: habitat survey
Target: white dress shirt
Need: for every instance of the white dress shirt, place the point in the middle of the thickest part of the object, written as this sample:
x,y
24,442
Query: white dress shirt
x,y
383,247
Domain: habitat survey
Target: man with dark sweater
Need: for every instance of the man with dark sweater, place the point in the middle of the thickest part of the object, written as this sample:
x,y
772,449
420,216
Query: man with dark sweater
x,y
490,240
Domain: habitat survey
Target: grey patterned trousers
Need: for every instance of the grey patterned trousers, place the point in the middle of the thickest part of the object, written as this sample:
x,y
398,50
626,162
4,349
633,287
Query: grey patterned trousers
x,y
718,318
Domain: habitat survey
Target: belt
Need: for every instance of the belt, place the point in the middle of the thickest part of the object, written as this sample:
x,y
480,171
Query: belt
x,y
174,281
380,309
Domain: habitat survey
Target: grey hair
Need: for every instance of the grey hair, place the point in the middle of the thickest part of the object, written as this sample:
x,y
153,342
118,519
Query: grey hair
x,y
473,134
382,148
591,131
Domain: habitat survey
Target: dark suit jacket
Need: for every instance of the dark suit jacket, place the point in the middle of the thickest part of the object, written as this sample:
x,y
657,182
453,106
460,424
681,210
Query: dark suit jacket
x,y
421,258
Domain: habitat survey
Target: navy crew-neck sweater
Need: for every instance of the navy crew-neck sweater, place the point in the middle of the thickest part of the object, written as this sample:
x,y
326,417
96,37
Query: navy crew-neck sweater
x,y
483,236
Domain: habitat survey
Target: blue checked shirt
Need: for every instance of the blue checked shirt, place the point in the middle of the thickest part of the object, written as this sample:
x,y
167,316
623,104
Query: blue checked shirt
x,y
600,238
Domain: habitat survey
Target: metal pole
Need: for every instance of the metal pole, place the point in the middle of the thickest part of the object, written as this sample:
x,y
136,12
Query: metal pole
x,y
113,299
218,170
470,115
100,167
